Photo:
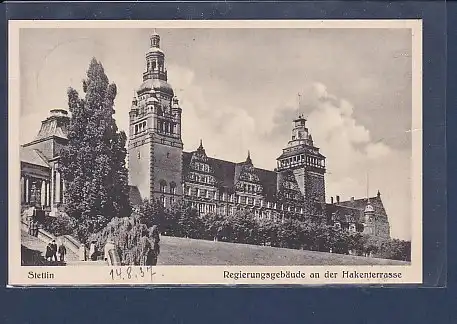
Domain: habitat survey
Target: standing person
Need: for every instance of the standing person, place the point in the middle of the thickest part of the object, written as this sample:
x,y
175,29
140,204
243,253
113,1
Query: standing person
x,y
48,254
108,246
62,252
93,251
155,251
54,249
82,253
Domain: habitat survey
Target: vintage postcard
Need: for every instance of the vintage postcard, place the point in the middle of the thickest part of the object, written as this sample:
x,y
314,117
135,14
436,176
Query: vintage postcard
x,y
215,152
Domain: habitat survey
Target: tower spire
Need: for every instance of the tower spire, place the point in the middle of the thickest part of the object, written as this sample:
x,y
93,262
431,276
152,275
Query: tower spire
x,y
298,107
248,159
155,39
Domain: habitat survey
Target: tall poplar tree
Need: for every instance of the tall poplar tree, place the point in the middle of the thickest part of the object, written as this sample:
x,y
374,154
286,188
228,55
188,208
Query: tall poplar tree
x,y
93,163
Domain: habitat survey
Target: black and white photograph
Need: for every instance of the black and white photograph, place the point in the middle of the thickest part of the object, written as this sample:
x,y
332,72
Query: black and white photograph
x,y
193,152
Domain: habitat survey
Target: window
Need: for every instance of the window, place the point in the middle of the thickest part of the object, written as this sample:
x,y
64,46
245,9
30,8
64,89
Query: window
x,y
172,201
163,185
352,228
173,189
139,155
337,225
162,199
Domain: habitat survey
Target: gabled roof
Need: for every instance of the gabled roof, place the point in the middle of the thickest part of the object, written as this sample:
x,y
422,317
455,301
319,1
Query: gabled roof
x,y
344,214
226,173
360,204
33,156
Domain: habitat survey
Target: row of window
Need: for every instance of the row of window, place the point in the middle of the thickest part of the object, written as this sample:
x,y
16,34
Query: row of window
x,y
289,195
140,127
295,160
201,178
167,203
352,227
201,167
155,65
166,127
172,188
237,199
231,210
251,188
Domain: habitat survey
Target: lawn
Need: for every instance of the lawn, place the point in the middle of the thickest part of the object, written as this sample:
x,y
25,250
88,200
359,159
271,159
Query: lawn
x,y
181,251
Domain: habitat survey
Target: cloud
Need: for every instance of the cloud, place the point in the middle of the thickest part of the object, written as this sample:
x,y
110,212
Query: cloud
x,y
352,154
219,125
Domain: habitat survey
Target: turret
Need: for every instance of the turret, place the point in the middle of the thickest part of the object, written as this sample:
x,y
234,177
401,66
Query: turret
x,y
368,215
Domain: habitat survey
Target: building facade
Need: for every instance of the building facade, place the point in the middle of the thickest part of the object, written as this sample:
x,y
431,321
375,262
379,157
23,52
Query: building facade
x,y
41,182
160,169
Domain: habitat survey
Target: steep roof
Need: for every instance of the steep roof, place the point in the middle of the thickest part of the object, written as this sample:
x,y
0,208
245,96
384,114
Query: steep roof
x,y
55,125
32,156
344,214
360,204
226,173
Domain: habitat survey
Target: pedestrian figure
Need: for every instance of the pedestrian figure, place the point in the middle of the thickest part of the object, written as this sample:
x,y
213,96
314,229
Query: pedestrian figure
x,y
62,252
82,253
93,251
54,249
108,246
155,251
48,254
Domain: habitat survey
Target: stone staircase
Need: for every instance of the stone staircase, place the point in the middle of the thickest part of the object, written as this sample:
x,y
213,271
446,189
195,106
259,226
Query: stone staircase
x,y
33,251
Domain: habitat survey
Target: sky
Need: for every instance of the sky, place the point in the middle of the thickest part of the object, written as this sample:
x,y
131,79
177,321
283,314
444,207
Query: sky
x,y
238,89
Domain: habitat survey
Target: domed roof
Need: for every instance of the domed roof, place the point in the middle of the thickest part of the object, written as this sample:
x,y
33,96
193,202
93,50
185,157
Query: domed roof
x,y
153,50
369,209
157,85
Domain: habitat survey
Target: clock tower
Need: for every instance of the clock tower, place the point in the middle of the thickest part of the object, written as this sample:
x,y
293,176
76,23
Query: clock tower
x,y
155,143
302,161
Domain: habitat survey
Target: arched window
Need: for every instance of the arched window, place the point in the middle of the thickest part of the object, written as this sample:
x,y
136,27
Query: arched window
x,y
173,188
163,185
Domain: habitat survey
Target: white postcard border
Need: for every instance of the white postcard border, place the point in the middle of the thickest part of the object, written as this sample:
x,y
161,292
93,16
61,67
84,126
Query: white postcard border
x,y
208,275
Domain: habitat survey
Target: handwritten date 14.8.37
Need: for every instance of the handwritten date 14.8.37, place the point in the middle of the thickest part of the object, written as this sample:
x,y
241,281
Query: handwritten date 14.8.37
x,y
132,273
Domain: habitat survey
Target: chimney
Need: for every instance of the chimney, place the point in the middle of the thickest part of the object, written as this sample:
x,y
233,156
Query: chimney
x,y
331,200
337,199
352,199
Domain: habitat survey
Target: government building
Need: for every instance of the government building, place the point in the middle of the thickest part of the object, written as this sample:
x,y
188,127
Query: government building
x,y
160,169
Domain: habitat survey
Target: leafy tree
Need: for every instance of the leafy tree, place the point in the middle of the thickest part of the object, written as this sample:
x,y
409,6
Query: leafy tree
x,y
214,226
130,236
151,212
93,163
289,234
